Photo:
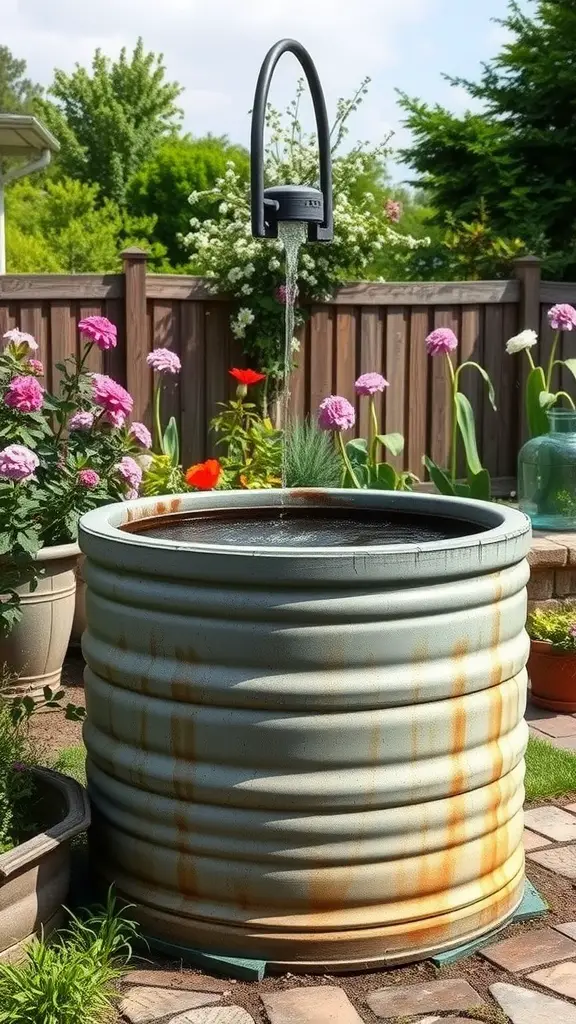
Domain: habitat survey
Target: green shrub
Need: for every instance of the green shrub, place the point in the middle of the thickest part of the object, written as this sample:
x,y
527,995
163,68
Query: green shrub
x,y
72,980
559,627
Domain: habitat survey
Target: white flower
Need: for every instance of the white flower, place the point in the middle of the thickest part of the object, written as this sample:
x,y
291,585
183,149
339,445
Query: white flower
x,y
193,198
245,317
295,345
521,341
249,270
21,338
274,264
246,289
234,275
223,208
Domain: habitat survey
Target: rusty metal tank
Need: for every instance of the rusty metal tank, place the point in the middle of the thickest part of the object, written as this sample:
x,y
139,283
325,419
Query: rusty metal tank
x,y
308,753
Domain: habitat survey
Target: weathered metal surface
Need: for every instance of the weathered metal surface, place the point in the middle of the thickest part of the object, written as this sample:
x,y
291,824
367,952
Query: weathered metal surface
x,y
314,757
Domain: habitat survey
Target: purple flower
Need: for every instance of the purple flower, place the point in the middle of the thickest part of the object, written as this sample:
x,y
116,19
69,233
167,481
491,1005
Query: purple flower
x,y
131,472
113,398
36,366
141,434
162,360
88,478
17,337
100,330
370,383
441,340
81,420
336,413
393,210
18,766
18,462
24,394
562,317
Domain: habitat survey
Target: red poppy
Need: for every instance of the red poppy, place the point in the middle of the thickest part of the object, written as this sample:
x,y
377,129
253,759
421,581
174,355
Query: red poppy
x,y
204,475
246,376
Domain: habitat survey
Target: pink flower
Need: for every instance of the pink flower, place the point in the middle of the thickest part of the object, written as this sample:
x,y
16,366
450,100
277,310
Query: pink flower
x,y
36,366
441,340
81,420
18,462
162,360
572,630
393,210
100,330
18,766
131,493
112,397
336,413
370,383
88,478
285,294
24,394
141,434
131,472
562,317
17,337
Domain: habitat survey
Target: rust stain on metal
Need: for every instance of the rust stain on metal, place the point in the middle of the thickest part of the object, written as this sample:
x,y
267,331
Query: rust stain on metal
x,y
185,868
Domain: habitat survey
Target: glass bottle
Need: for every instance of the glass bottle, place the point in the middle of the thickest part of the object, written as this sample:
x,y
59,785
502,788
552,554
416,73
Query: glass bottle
x,y
547,474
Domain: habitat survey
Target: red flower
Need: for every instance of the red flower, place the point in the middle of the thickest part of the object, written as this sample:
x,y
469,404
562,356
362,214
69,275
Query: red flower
x,y
204,475
246,376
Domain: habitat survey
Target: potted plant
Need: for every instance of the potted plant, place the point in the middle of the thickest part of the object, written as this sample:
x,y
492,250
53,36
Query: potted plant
x,y
61,455
40,812
552,662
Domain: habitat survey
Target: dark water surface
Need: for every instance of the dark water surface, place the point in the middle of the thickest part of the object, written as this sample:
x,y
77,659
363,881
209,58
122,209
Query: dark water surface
x,y
305,527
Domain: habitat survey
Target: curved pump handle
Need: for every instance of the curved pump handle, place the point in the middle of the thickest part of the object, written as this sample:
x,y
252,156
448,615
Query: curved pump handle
x,y
317,232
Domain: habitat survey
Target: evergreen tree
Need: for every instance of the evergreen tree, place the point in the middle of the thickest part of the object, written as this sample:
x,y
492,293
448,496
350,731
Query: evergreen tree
x,y
17,93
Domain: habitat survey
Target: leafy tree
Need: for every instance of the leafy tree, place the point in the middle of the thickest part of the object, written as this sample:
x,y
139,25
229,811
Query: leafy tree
x,y
160,188
17,93
108,122
513,162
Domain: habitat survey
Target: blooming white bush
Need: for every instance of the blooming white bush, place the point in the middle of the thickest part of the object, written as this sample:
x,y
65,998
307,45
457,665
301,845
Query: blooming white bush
x,y
252,270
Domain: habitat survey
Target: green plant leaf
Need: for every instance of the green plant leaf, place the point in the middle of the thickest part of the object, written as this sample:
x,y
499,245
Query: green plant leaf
x,y
465,418
547,399
394,443
480,485
439,478
383,477
537,419
171,442
357,451
485,376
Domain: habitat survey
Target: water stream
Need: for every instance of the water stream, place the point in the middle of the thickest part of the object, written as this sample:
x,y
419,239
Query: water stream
x,y
292,234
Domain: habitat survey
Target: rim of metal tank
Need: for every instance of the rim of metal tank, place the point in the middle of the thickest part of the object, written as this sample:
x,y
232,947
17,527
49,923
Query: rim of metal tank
x,y
500,523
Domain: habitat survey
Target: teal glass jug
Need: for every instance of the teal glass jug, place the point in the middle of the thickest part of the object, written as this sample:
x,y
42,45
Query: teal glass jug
x,y
547,474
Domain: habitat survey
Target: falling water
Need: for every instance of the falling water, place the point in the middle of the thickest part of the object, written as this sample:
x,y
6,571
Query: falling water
x,y
292,234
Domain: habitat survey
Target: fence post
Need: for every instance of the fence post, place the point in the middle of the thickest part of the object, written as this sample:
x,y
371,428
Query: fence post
x,y
137,345
528,273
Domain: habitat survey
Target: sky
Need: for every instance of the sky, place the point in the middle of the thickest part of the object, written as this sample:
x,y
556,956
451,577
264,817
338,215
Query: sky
x,y
214,48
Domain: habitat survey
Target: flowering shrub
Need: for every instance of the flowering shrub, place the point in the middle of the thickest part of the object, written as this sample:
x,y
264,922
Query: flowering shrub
x,y
442,342
60,454
252,270
539,395
253,446
557,627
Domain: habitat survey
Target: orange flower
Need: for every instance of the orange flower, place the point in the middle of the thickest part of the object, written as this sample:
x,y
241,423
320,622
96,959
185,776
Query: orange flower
x,y
204,475
246,376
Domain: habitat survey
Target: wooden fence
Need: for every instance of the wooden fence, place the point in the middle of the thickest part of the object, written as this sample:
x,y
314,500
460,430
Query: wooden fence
x,y
366,327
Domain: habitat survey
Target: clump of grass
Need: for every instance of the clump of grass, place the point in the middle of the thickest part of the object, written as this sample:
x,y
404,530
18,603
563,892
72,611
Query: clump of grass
x,y
72,761
550,771
72,980
310,458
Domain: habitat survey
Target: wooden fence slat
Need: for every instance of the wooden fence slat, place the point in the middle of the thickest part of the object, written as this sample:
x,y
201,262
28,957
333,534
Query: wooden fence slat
x,y
492,361
441,405
165,328
115,358
416,397
218,346
509,398
471,349
193,385
62,337
299,398
321,352
345,354
138,375
397,323
371,357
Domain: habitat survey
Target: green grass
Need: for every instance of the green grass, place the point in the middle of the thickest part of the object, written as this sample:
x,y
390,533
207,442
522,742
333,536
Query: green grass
x,y
72,761
550,771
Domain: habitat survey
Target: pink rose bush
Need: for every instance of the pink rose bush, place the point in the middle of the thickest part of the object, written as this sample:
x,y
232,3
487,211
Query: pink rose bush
x,y
61,454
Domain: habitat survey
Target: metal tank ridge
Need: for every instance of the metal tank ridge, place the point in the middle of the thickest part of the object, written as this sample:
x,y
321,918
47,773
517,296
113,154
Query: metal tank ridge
x,y
311,756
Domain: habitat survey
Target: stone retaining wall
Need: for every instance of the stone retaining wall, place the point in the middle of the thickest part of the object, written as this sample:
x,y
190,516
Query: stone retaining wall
x,y
552,561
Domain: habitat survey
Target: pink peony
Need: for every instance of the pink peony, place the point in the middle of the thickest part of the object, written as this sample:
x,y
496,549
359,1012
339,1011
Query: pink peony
x,y
88,478
336,413
393,210
112,397
562,317
81,420
24,394
100,330
18,462
141,434
131,472
162,360
441,340
370,383
21,338
35,366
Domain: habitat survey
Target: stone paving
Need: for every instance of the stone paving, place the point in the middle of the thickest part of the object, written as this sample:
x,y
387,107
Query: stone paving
x,y
539,964
559,730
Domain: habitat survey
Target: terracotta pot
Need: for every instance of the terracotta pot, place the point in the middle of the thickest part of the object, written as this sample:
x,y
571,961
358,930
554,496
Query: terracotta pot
x,y
35,877
552,676
79,623
35,648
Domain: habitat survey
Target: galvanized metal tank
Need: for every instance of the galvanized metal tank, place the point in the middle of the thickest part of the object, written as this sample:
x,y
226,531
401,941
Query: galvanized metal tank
x,y
310,756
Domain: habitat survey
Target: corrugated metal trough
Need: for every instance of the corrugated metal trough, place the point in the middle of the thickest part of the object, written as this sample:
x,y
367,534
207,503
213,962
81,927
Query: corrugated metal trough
x,y
312,756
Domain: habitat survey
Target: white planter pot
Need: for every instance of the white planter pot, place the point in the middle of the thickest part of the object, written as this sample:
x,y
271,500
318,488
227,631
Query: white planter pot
x,y
79,623
35,648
